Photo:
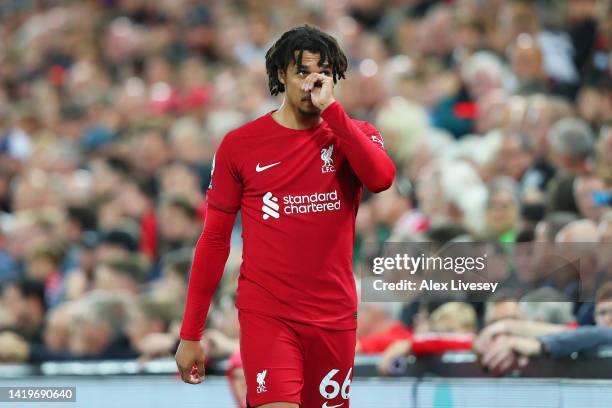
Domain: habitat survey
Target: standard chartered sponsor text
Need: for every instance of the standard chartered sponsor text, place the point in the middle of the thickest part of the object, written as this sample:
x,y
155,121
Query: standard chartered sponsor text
x,y
311,203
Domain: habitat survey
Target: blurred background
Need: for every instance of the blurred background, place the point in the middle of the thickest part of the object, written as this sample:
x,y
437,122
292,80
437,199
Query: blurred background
x,y
497,113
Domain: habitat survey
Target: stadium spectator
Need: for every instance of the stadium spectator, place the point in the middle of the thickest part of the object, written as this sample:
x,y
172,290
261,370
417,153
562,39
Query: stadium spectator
x,y
548,228
501,353
57,327
23,308
501,306
572,146
378,327
221,340
603,156
542,311
452,328
43,265
98,327
502,210
149,324
586,189
515,157
111,112
178,225
120,275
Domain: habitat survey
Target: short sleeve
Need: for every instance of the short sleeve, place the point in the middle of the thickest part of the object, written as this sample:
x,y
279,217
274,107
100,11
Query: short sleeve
x,y
225,189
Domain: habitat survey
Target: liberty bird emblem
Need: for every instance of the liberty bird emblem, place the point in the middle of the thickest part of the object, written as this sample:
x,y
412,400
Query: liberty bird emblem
x,y
326,156
261,381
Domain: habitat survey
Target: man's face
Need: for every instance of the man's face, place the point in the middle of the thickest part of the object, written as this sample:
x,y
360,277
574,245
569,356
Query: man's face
x,y
174,224
502,212
14,305
105,278
584,188
294,77
88,337
511,159
57,328
603,313
503,310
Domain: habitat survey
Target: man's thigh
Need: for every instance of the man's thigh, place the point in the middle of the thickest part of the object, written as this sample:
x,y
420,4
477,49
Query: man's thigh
x,y
328,368
272,360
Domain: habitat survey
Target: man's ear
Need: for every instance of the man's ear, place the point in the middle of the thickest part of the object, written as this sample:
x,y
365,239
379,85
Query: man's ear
x,y
281,76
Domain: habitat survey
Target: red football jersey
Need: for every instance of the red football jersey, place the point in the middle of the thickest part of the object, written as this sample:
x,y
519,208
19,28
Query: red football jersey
x,y
298,196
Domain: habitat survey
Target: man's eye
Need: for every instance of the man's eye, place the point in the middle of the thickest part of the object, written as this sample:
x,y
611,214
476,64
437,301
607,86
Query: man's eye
x,y
302,73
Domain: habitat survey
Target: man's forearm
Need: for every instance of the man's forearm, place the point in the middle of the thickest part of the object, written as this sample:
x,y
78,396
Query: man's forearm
x,y
534,329
211,252
583,338
526,346
371,164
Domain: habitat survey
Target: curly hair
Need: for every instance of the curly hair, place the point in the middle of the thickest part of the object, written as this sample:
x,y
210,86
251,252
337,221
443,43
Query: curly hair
x,y
300,39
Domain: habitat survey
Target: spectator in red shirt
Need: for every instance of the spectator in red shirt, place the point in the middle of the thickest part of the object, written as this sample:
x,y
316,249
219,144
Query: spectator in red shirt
x,y
378,327
453,326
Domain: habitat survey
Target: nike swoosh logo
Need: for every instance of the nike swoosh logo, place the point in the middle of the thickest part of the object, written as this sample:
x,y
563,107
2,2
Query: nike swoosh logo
x,y
331,406
259,168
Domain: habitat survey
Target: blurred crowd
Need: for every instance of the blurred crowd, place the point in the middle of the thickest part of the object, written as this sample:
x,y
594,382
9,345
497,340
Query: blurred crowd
x,y
497,113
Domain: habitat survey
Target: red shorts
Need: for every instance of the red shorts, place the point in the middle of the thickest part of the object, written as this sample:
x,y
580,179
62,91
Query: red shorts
x,y
287,361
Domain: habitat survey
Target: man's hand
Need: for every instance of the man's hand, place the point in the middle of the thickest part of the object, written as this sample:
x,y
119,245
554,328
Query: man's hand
x,y
156,345
396,350
13,348
499,356
507,352
489,333
217,344
190,361
321,88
